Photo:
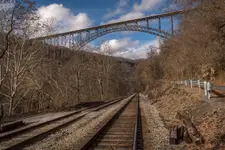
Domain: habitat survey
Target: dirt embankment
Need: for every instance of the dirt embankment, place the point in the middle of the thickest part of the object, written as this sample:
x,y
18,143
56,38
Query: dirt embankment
x,y
208,117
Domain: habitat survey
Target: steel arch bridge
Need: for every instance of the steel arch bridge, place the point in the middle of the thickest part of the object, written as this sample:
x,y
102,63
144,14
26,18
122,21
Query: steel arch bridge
x,y
79,38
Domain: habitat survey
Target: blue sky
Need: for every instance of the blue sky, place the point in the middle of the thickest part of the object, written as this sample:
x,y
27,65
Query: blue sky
x,y
76,14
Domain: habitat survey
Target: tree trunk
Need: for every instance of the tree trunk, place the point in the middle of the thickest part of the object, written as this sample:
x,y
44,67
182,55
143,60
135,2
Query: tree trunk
x,y
78,88
107,84
1,117
101,89
11,106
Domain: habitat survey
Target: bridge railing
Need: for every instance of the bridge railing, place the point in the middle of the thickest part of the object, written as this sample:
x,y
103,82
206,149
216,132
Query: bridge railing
x,y
208,87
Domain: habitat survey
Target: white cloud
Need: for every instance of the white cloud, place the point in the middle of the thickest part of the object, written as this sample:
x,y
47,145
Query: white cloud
x,y
129,49
146,5
138,52
63,17
137,10
115,45
120,6
128,16
123,3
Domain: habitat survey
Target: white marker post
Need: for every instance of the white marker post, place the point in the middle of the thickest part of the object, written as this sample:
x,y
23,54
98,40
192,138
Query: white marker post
x,y
209,89
205,88
199,84
191,83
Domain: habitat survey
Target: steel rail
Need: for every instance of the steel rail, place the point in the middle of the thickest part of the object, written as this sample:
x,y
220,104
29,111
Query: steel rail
x,y
136,126
35,138
91,139
11,134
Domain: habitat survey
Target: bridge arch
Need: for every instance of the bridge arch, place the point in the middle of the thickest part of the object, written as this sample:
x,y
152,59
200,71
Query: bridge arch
x,y
106,31
79,38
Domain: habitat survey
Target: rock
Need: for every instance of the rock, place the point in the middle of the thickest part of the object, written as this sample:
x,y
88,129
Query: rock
x,y
181,132
222,138
192,130
173,135
187,137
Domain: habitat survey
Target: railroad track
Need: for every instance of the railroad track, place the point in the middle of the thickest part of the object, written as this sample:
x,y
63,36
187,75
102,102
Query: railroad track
x,y
121,132
23,137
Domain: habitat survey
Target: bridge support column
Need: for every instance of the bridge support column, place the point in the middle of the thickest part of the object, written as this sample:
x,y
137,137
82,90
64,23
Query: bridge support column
x,y
57,41
71,40
87,34
172,25
97,32
159,24
53,41
63,41
147,23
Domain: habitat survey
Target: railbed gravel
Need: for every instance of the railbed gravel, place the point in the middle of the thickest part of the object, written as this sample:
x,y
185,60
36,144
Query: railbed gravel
x,y
157,136
72,136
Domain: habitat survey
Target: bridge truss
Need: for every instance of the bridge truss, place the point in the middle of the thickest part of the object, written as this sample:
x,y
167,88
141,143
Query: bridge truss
x,y
79,38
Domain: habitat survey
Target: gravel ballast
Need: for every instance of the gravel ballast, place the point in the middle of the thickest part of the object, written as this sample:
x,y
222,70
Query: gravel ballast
x,y
72,136
156,136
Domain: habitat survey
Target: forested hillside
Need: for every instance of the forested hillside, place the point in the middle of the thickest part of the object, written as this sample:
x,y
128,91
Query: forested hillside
x,y
36,77
196,51
48,77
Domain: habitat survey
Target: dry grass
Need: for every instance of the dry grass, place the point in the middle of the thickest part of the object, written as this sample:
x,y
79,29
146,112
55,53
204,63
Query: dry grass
x,y
207,116
171,100
213,128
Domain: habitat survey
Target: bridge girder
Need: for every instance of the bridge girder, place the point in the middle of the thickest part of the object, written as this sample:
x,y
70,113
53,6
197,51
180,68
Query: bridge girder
x,y
79,38
136,28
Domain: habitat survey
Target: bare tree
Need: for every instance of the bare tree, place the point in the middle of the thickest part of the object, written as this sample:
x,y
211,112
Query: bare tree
x,y
13,21
105,67
78,68
197,48
23,58
19,55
